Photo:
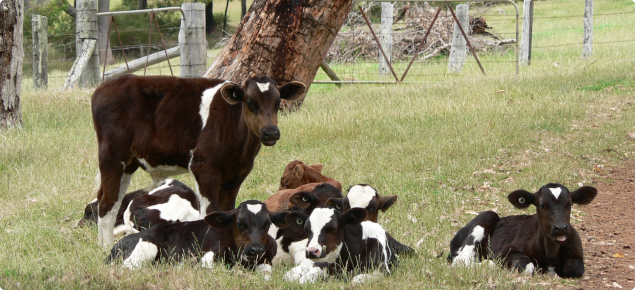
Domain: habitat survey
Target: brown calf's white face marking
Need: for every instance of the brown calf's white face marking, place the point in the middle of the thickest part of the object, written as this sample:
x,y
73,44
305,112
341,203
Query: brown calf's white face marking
x,y
263,86
322,223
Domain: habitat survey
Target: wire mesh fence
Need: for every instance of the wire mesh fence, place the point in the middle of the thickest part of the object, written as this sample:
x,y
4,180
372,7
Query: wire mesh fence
x,y
137,42
557,33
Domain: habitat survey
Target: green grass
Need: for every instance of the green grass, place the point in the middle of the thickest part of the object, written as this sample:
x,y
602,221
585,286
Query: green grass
x,y
447,146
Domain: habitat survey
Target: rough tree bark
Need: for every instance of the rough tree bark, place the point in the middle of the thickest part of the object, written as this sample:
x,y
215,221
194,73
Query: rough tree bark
x,y
11,56
283,39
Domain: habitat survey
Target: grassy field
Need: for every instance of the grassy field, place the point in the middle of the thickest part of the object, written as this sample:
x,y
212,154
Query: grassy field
x,y
448,147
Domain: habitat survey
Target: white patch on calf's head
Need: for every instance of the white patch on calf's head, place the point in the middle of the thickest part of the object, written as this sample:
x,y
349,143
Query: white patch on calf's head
x,y
318,219
255,208
206,100
94,200
361,195
263,86
556,191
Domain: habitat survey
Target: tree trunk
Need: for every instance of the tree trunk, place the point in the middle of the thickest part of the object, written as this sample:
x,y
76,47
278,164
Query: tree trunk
x,y
143,4
102,24
66,7
243,8
225,22
283,39
209,17
11,55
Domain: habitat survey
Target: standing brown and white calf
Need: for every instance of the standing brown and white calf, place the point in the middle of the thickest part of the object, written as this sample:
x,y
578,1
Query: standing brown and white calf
x,y
169,126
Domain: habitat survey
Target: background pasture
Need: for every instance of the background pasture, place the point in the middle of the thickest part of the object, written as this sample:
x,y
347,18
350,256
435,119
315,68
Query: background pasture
x,y
449,148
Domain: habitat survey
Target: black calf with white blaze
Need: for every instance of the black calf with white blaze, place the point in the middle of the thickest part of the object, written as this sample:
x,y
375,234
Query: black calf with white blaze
x,y
236,236
292,240
339,243
543,242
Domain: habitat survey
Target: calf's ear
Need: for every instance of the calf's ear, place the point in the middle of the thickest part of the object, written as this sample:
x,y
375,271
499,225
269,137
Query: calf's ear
x,y
279,219
298,171
219,219
317,167
292,91
232,93
336,203
584,195
354,216
296,220
301,199
386,202
521,198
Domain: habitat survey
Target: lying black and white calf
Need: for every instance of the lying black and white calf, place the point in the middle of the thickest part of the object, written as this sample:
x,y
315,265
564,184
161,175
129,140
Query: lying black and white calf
x,y
366,197
542,242
172,201
339,243
292,240
238,236
90,211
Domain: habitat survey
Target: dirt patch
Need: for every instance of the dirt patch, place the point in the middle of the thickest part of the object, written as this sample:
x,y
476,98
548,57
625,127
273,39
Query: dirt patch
x,y
608,232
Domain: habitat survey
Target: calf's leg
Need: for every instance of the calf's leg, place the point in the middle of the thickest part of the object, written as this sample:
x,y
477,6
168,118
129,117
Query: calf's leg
x,y
520,262
115,178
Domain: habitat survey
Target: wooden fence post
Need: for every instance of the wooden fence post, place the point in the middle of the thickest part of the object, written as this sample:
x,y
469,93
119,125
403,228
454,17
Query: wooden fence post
x,y
588,29
40,51
528,25
86,26
385,37
192,41
459,43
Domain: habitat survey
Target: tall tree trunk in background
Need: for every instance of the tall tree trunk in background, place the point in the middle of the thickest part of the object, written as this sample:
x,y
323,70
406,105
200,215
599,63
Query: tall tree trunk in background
x,y
283,39
102,24
11,56
225,22
209,17
243,8
143,4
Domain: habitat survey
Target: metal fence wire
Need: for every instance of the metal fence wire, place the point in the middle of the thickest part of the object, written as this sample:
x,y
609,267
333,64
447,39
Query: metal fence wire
x,y
354,54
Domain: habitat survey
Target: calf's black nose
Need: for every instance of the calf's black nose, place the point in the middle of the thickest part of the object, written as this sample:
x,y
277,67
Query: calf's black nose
x,y
560,227
271,133
255,250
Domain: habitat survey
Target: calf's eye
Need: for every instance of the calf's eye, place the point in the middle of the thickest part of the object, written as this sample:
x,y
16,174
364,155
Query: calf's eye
x,y
543,207
521,200
299,221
